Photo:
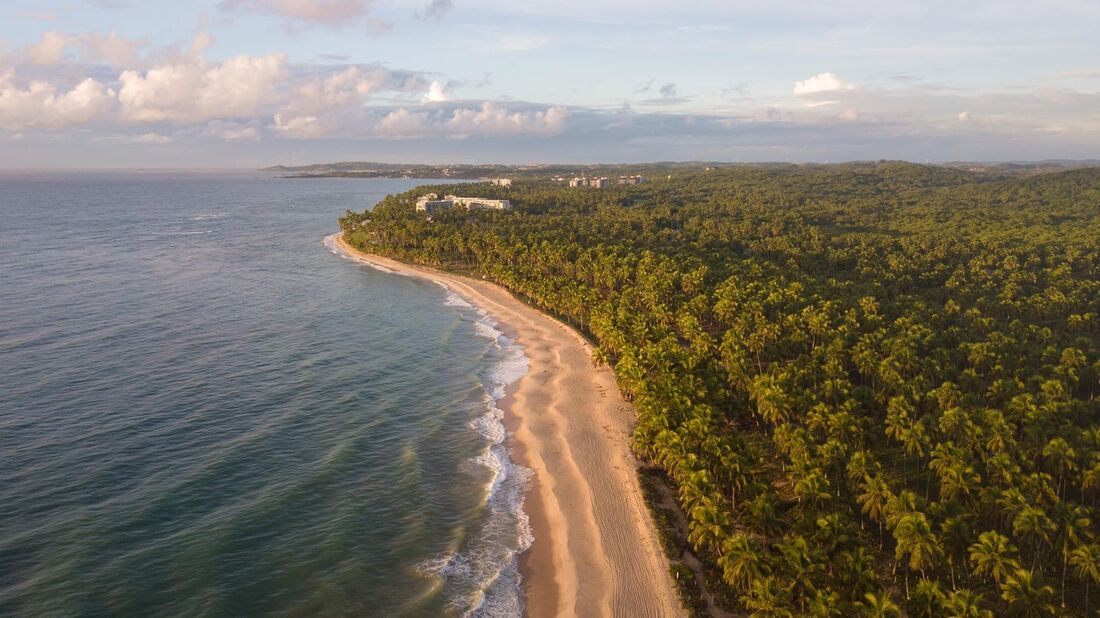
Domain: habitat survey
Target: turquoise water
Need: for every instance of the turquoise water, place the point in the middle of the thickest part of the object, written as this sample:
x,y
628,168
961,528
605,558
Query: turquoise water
x,y
205,412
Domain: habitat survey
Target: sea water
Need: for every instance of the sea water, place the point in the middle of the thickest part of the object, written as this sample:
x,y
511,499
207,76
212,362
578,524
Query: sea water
x,y
207,410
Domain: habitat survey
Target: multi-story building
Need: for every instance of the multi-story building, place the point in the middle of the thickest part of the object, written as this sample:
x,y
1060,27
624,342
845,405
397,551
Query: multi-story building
x,y
501,182
430,202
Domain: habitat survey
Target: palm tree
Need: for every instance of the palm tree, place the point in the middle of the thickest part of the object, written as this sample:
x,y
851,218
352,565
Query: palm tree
x,y
957,536
878,606
709,521
993,555
1032,523
813,488
916,540
1062,458
964,603
928,599
1086,565
1072,523
1027,596
742,561
763,515
767,599
695,489
873,500
802,566
825,604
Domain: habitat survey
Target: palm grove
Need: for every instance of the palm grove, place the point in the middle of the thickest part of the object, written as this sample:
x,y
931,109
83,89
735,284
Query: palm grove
x,y
874,386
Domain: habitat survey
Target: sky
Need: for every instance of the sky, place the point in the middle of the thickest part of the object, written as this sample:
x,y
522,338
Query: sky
x,y
250,83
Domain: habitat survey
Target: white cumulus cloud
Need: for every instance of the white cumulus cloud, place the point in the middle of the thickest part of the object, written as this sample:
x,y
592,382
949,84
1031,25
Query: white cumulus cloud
x,y
822,82
436,93
48,51
41,104
191,89
487,120
327,104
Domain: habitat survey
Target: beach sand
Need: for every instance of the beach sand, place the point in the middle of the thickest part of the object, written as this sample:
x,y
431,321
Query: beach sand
x,y
595,551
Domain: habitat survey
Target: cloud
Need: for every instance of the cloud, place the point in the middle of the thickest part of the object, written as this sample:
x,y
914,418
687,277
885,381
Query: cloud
x,y
324,104
152,138
670,95
43,105
190,89
111,49
308,12
230,131
487,120
49,51
1079,73
436,9
491,119
739,90
435,94
303,127
822,82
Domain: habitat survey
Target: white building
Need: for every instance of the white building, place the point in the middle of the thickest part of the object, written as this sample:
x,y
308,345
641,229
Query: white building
x,y
501,182
430,202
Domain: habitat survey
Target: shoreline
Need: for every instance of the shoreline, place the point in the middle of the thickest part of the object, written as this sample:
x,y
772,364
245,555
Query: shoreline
x,y
595,549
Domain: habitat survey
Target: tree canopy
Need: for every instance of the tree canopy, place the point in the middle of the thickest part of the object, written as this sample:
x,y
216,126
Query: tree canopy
x,y
874,385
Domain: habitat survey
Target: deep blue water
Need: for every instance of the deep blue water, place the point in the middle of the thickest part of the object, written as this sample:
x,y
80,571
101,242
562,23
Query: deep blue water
x,y
205,412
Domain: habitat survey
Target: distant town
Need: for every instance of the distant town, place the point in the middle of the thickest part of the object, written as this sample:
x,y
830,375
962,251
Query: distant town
x,y
601,182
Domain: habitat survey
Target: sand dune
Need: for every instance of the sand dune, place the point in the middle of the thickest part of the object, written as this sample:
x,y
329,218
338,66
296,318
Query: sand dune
x,y
596,551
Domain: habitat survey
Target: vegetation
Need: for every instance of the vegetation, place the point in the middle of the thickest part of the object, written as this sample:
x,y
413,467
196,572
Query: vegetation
x,y
874,386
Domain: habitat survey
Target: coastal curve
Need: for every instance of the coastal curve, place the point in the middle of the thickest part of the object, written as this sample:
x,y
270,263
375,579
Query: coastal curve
x,y
595,549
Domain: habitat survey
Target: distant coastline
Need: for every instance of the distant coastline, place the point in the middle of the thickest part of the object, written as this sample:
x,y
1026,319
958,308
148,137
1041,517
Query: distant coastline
x,y
595,549
465,171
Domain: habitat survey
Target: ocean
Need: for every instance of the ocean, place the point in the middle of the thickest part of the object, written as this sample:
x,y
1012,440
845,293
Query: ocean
x,y
205,410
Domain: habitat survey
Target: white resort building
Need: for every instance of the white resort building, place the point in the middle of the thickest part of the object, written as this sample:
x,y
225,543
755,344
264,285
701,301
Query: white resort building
x,y
431,202
501,182
601,182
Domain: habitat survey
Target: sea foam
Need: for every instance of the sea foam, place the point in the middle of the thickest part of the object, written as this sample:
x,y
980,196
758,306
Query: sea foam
x,y
482,577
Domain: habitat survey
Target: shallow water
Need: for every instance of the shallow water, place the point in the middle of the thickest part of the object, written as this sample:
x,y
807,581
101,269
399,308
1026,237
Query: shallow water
x,y
205,412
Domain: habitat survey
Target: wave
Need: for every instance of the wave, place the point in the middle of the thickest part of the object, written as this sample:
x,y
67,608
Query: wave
x,y
482,578
181,233
206,216
330,242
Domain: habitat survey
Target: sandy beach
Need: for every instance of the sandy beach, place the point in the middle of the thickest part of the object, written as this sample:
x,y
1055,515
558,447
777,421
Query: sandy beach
x,y
595,551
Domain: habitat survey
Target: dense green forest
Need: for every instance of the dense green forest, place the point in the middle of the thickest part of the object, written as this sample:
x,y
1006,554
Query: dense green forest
x,y
874,386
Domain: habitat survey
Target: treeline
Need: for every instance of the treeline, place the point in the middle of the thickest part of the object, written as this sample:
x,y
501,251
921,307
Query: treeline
x,y
875,386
